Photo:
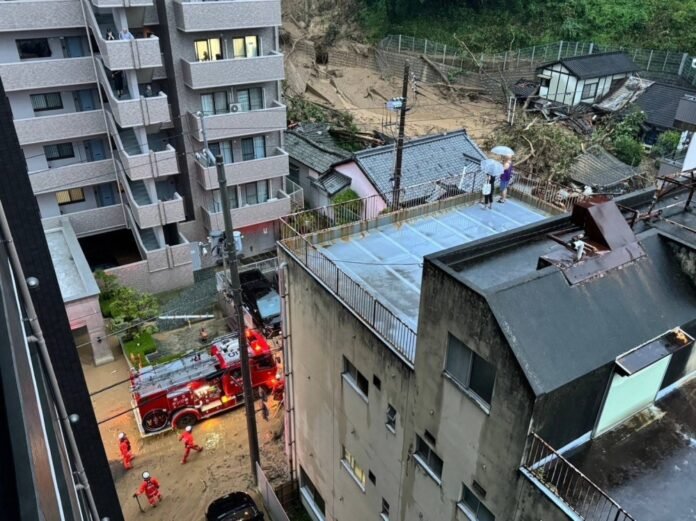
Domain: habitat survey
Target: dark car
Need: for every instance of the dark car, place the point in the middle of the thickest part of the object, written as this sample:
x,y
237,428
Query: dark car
x,y
262,301
236,506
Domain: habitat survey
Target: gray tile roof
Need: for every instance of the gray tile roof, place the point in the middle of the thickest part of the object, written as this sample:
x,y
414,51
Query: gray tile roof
x,y
598,65
425,159
312,145
660,103
598,168
334,182
686,110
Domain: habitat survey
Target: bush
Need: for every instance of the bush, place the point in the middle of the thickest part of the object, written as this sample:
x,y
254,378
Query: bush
x,y
628,150
666,144
350,209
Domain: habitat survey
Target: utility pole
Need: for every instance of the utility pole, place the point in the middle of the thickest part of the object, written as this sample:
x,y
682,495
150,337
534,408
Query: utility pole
x,y
400,142
236,287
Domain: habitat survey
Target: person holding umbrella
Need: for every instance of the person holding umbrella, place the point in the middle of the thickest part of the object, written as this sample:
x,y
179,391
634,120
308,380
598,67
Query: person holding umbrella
x,y
506,176
492,169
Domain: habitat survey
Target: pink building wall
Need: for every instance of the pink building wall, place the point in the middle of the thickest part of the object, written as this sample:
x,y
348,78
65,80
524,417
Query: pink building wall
x,y
361,185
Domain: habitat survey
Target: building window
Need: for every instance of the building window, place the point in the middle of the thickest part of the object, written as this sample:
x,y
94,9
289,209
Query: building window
x,y
391,418
250,99
214,103
59,151
425,456
207,50
353,468
384,514
255,193
294,173
48,101
589,90
469,370
223,148
74,195
33,48
355,378
253,148
246,47
310,494
472,507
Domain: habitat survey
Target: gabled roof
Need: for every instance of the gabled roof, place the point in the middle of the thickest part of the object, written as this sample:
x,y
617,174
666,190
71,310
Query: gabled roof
x,y
660,103
312,145
598,168
597,65
425,159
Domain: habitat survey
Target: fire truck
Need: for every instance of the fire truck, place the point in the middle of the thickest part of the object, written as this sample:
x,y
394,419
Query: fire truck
x,y
201,384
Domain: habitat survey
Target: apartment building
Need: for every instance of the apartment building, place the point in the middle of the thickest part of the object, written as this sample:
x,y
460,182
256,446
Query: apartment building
x,y
500,378
110,101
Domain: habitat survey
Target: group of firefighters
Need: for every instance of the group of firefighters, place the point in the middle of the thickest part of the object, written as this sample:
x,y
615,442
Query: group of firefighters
x,y
150,486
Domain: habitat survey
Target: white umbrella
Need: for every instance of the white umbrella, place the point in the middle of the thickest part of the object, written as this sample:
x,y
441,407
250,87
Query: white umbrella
x,y
502,150
492,167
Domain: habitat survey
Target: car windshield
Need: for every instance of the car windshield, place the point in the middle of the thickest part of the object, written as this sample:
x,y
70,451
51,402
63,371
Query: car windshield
x,y
248,513
269,305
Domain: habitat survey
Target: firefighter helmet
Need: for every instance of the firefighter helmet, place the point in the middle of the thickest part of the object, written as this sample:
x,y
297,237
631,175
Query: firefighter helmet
x,y
121,435
189,428
146,475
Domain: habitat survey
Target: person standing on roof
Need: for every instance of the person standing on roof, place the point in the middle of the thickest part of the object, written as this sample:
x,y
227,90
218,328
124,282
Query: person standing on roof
x,y
505,179
150,487
487,191
189,443
125,447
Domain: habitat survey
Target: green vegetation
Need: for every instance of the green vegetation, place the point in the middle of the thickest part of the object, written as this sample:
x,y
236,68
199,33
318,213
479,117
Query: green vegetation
x,y
666,144
628,150
350,208
621,136
302,109
138,347
495,25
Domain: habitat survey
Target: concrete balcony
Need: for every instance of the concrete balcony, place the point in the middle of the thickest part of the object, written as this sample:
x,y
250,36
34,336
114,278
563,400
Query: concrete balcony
x,y
275,165
92,221
72,176
226,15
61,127
122,3
236,124
235,71
271,210
148,213
40,74
27,15
135,112
142,162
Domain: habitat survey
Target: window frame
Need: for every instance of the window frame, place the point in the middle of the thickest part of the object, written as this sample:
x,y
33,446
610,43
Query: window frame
x,y
391,421
468,509
309,491
465,386
384,514
350,463
55,96
424,459
19,41
61,151
594,90
209,49
354,378
78,198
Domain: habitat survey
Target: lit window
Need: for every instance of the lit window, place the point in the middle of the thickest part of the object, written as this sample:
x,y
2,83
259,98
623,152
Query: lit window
x,y
357,473
355,378
473,507
207,50
75,195
469,370
426,458
391,418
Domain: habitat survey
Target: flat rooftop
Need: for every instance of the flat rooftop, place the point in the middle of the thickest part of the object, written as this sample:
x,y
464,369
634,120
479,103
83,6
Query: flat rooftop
x,y
72,270
388,260
648,464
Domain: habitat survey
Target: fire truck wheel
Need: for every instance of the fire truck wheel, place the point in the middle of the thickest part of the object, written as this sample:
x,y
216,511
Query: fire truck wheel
x,y
155,420
184,418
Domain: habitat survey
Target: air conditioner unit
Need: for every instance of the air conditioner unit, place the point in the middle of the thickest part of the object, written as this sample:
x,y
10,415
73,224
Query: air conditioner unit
x,y
235,107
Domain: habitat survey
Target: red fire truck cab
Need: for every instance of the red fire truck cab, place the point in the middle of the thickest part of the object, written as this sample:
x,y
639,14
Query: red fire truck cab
x,y
199,385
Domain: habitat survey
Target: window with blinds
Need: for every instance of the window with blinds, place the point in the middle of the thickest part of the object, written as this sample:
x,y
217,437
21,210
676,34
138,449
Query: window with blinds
x,y
250,99
59,151
48,101
74,195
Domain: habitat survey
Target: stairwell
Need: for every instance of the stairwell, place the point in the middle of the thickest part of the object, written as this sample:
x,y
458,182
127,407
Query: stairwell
x,y
140,193
149,239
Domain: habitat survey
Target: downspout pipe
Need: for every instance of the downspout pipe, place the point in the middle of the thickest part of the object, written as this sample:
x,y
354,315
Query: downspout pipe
x,y
288,371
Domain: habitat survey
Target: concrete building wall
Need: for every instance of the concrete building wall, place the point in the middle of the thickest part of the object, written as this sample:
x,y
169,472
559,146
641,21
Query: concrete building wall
x,y
330,414
87,313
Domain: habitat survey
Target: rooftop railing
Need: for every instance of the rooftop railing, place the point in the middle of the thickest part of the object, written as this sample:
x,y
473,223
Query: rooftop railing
x,y
568,484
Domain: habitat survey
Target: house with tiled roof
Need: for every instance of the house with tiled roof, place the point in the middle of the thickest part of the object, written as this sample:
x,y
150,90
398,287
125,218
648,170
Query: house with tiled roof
x,y
668,107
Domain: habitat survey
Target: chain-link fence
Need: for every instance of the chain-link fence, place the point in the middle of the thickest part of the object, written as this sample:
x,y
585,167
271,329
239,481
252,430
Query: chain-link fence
x,y
669,65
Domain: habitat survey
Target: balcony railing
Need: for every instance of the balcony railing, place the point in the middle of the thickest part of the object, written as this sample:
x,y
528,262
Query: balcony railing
x,y
549,196
40,74
92,221
40,15
235,124
60,127
234,71
275,165
72,176
271,210
226,15
547,468
121,3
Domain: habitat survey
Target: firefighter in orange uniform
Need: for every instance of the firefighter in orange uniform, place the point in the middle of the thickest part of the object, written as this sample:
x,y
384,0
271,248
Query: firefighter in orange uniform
x,y
150,487
125,447
189,444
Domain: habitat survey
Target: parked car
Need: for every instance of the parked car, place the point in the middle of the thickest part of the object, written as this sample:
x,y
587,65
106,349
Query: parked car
x,y
261,301
236,506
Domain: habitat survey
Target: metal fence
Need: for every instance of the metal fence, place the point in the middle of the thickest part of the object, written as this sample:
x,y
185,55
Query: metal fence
x,y
570,485
658,62
546,195
270,500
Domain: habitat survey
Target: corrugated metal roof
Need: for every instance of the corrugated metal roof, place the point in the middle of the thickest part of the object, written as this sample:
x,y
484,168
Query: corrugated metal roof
x,y
312,145
627,93
429,158
660,102
598,168
598,65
